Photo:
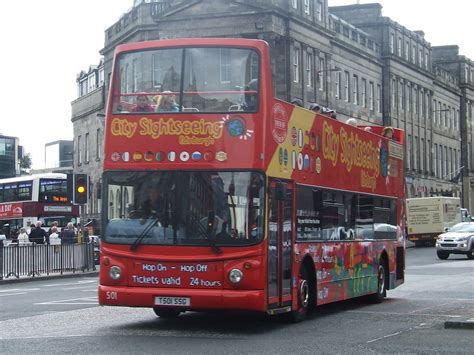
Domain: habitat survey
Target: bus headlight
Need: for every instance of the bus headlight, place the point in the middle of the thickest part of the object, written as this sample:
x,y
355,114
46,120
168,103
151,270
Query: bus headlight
x,y
235,276
115,272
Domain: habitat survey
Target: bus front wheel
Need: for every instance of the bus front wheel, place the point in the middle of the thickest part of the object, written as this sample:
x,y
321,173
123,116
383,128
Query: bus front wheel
x,y
166,313
304,298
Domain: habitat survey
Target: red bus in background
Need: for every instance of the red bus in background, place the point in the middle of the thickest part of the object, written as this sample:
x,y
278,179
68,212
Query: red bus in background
x,y
225,198
24,200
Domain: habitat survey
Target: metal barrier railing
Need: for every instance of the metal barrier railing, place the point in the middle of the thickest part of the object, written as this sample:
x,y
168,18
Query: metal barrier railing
x,y
41,259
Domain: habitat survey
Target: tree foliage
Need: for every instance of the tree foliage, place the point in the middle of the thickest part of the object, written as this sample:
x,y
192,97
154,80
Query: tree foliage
x,y
25,162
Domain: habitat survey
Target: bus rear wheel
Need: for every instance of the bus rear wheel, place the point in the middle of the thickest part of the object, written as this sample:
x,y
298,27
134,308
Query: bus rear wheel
x,y
381,284
166,313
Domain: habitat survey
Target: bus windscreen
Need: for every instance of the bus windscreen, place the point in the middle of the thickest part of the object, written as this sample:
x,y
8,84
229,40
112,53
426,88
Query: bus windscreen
x,y
184,208
200,79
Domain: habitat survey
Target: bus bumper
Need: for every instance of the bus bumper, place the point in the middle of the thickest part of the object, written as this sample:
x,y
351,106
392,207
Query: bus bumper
x,y
249,300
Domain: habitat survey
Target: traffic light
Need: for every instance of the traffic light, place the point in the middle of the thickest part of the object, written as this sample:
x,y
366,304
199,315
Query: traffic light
x,y
80,188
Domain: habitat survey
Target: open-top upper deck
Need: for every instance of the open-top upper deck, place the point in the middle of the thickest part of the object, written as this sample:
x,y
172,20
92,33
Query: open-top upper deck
x,y
205,104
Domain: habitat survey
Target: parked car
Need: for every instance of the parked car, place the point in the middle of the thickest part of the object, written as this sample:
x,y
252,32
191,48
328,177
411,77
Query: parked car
x,y
95,239
459,239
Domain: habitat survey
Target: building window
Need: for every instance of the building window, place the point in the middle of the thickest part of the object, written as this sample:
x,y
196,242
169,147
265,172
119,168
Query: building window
x,y
409,142
440,114
399,46
392,43
320,74
79,151
407,97
379,98
225,65
98,147
296,65
446,163
420,57
422,103
400,95
355,87
456,162
426,60
456,120
309,69
346,86
306,7
415,153
363,98
319,11
338,85
435,160
92,82
445,116
86,148
413,54
371,95
294,4
394,93
428,160
422,155
407,51
101,76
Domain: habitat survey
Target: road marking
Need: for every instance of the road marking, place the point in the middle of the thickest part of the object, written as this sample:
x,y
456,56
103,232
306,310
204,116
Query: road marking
x,y
71,284
408,314
19,289
383,337
13,294
77,288
73,301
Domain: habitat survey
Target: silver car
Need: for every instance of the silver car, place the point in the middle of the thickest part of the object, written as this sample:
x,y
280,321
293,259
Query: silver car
x,y
459,239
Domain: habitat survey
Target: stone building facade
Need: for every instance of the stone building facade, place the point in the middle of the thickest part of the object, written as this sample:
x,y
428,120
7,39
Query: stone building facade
x,y
350,58
88,118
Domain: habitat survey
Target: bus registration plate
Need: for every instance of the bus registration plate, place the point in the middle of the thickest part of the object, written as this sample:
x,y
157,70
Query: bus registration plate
x,y
173,301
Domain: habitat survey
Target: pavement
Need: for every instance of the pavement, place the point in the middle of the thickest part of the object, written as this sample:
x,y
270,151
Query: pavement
x,y
64,275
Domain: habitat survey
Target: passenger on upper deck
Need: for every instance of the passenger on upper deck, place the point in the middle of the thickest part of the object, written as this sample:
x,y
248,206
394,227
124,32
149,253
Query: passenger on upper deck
x,y
251,98
142,104
388,132
166,103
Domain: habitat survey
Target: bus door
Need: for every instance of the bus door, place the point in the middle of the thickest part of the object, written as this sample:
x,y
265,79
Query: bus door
x,y
280,231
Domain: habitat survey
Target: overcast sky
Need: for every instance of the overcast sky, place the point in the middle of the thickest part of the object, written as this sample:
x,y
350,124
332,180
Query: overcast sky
x,y
46,43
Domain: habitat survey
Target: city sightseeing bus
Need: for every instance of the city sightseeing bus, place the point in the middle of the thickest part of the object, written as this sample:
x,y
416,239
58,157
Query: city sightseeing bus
x,y
27,199
230,199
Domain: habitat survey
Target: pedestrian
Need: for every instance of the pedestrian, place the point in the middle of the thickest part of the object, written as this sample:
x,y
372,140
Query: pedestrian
x,y
38,235
23,237
54,237
79,233
68,235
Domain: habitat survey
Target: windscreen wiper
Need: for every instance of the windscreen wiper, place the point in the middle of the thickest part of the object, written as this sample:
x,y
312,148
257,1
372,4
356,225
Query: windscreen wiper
x,y
143,234
207,232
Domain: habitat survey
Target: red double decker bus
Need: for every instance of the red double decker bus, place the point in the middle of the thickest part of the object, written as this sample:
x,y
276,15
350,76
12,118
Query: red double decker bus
x,y
218,196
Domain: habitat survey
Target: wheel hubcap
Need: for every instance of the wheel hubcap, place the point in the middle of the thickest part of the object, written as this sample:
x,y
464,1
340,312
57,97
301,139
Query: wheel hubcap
x,y
304,293
381,280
